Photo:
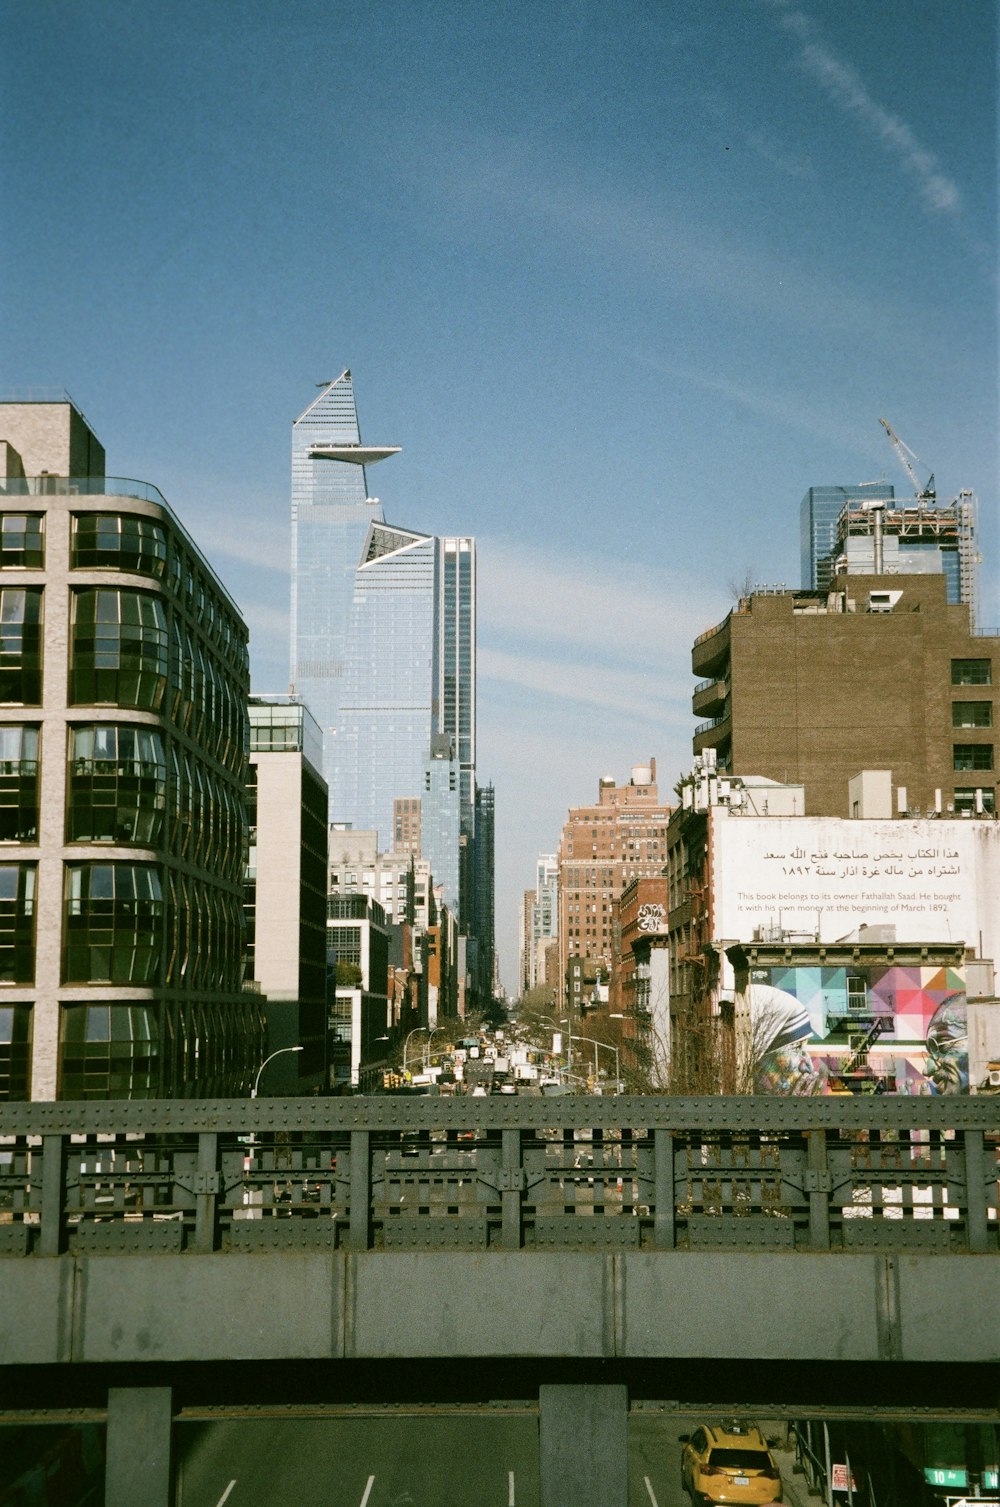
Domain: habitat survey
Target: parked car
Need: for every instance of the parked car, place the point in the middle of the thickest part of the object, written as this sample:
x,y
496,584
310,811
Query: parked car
x,y
729,1462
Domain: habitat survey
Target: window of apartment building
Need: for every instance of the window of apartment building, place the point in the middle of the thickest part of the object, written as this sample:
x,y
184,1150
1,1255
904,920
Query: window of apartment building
x,y
119,651
972,714
114,923
975,798
119,542
21,645
250,922
15,1052
108,1051
18,783
17,923
971,672
857,991
973,756
22,541
343,944
117,790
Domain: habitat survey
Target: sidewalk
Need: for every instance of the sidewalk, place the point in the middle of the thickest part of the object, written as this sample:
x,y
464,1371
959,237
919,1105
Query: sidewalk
x,y
796,1491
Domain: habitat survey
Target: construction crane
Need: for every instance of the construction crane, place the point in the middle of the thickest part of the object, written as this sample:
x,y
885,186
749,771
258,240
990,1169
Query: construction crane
x,y
926,496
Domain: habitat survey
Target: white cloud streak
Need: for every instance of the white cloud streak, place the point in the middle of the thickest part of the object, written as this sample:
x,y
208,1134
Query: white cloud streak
x,y
579,636
784,410
267,622
845,88
678,249
640,695
254,544
581,602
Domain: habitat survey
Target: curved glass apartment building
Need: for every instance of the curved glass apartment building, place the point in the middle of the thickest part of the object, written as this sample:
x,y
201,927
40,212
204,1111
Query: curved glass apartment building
x,y
123,741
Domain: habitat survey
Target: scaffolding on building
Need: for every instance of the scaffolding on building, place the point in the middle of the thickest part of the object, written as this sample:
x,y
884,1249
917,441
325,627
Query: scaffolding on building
x,y
951,526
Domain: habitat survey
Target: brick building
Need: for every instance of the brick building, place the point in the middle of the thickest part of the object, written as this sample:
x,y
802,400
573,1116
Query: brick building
x,y
879,672
640,986
602,848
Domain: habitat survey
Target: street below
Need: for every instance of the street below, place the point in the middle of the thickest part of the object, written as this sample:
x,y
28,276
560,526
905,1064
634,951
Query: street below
x,y
450,1459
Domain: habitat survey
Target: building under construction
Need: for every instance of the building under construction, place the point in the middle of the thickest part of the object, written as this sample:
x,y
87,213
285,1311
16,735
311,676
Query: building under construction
x,y
915,536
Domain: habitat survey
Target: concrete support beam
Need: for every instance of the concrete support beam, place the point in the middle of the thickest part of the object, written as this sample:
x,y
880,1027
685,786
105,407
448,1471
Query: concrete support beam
x,y
139,1447
583,1446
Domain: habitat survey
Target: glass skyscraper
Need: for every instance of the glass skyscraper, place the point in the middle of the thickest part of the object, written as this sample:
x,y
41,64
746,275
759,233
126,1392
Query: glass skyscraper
x,y
383,630
455,669
440,819
383,732
409,677
331,515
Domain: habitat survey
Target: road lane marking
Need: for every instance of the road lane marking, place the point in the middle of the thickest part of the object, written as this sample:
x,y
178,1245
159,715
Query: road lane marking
x,y
368,1491
649,1488
224,1497
510,1488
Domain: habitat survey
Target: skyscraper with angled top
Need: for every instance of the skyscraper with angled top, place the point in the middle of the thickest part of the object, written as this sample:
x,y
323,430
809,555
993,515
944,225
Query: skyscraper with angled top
x,y
331,515
383,643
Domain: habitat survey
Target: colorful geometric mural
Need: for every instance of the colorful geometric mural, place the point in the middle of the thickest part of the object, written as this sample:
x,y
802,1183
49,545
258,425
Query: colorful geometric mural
x,y
858,1030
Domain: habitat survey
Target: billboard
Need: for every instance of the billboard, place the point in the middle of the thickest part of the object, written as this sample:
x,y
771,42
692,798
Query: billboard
x,y
933,879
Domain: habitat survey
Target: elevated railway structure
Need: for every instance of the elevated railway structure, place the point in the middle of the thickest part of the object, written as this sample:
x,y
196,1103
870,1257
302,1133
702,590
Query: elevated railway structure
x,y
172,1260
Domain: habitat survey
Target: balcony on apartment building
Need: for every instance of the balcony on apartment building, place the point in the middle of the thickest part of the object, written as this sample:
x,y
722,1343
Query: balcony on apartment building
x,y
710,651
709,699
716,733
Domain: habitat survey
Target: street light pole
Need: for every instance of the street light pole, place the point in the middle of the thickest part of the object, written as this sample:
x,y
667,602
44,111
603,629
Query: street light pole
x,y
415,1032
558,1025
256,1081
427,1044
608,1046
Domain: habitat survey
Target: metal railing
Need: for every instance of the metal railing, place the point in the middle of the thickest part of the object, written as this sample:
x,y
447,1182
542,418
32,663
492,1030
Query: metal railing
x,y
711,632
806,1438
381,1172
81,486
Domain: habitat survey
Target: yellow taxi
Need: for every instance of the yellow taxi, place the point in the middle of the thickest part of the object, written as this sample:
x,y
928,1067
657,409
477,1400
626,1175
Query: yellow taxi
x,y
729,1463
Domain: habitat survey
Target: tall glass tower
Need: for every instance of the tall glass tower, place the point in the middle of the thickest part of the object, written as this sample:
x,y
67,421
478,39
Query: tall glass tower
x,y
382,737
409,676
331,515
455,666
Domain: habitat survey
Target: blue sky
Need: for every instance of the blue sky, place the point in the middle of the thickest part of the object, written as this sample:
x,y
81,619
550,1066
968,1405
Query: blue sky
x,y
622,281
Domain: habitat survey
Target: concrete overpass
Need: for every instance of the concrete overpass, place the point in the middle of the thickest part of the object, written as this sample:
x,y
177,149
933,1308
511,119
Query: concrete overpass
x,y
575,1253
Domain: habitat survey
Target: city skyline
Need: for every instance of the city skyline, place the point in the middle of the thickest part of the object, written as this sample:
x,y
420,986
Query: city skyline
x,y
622,307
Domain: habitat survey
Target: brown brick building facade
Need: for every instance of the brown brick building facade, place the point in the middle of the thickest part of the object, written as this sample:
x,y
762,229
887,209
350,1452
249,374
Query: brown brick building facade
x,y
879,672
603,847
640,988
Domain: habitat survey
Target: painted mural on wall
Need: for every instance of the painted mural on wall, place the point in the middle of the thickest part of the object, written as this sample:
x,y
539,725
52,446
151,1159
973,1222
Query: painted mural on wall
x,y
859,1030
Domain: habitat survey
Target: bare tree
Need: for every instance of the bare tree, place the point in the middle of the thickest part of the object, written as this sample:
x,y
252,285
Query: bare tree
x,y
742,585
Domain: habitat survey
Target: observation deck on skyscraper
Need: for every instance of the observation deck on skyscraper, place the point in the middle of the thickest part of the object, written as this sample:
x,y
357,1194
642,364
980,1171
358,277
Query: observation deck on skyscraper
x,y
355,455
